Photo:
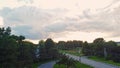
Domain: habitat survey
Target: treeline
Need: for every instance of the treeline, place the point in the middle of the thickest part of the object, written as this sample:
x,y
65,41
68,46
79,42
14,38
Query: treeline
x,y
47,50
109,50
14,51
99,47
69,44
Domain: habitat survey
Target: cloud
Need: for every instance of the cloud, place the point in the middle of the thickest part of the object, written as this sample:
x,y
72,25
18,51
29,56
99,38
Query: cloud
x,y
104,21
57,27
31,21
26,1
36,23
1,22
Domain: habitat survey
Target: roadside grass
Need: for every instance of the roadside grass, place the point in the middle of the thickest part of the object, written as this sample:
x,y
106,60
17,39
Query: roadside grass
x,y
81,65
100,59
35,65
77,65
66,62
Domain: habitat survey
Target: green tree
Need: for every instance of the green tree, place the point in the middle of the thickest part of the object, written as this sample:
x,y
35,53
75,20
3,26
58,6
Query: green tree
x,y
42,50
50,49
86,48
61,45
8,49
7,31
99,45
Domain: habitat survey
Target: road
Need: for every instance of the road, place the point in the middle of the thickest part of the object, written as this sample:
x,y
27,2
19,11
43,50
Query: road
x,y
84,60
47,65
95,64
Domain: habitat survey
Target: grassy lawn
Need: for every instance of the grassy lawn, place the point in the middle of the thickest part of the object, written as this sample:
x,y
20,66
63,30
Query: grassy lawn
x,y
80,65
73,52
104,60
77,65
35,65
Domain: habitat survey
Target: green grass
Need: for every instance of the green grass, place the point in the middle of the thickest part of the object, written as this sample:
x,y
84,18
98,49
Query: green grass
x,y
77,65
73,52
81,65
100,59
104,60
35,65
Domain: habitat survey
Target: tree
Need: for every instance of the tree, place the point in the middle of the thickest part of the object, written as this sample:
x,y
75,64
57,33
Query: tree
x,y
42,50
61,45
2,30
8,49
99,45
115,54
110,45
99,40
86,48
26,57
49,43
8,31
14,52
50,49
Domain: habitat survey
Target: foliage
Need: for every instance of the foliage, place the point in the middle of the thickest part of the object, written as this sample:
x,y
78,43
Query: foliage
x,y
104,60
14,52
109,50
69,45
73,52
47,49
67,62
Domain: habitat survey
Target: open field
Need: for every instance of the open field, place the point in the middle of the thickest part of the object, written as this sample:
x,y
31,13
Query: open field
x,y
73,52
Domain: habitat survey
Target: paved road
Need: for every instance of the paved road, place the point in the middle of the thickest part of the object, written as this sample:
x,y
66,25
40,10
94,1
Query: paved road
x,y
47,65
91,62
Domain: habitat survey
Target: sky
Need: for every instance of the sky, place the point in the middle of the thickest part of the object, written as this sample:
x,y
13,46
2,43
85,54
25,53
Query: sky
x,y
62,19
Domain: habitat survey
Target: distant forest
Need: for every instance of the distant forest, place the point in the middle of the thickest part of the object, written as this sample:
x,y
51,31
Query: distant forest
x,y
15,52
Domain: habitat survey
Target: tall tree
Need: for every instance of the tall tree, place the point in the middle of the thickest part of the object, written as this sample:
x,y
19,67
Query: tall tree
x,y
42,50
8,49
99,45
50,49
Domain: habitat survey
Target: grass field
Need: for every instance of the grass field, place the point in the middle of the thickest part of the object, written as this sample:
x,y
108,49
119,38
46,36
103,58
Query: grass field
x,y
73,52
104,60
